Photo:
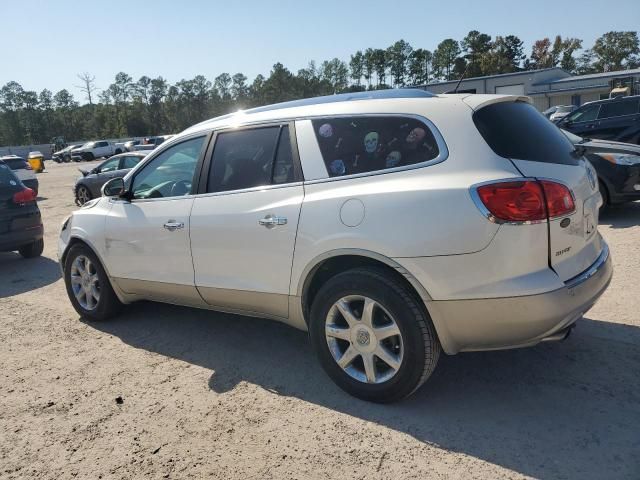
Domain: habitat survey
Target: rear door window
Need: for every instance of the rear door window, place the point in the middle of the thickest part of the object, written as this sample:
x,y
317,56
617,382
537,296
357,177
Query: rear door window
x,y
619,108
251,158
352,145
518,131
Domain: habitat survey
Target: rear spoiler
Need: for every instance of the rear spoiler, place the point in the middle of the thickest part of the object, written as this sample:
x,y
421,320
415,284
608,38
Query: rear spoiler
x,y
477,102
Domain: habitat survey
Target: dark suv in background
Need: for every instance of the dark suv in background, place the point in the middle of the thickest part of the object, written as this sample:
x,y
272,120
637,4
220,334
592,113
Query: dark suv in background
x,y
20,221
611,119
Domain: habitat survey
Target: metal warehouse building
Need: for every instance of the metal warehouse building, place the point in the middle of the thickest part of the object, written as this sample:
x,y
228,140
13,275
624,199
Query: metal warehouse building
x,y
547,87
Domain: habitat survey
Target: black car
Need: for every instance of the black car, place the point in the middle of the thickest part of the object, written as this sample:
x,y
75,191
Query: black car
x,y
617,165
20,221
88,186
615,119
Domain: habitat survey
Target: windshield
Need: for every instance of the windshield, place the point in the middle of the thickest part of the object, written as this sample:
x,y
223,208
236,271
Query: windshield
x,y
565,109
88,145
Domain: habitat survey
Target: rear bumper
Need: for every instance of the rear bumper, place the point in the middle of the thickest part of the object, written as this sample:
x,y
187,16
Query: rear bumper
x,y
11,241
511,322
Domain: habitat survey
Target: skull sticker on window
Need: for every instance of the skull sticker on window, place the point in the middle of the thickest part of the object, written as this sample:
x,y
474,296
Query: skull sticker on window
x,y
337,168
393,159
371,142
416,135
325,130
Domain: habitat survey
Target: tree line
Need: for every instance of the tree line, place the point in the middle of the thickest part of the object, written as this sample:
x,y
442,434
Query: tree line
x,y
150,106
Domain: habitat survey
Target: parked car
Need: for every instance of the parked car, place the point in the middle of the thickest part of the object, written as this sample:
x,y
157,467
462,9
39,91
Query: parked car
x,y
391,224
64,155
550,111
22,170
617,165
89,184
92,150
128,146
561,112
150,143
615,119
20,221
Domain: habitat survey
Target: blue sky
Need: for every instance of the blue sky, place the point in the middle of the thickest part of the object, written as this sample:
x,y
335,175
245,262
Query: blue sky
x,y
47,43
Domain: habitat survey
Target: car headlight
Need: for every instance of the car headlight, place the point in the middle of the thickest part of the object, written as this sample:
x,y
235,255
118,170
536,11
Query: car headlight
x,y
621,159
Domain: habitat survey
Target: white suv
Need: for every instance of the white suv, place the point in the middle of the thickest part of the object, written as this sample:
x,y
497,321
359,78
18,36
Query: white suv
x,y
392,225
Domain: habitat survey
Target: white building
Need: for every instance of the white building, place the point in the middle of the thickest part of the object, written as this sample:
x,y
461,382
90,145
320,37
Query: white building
x,y
547,87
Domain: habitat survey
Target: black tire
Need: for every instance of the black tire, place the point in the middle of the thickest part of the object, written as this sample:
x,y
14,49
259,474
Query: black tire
x,y
83,195
419,339
118,151
32,250
88,156
108,304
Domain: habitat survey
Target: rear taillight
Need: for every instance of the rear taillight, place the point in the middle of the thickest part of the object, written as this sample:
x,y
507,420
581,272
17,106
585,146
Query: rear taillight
x,y
24,196
559,199
525,200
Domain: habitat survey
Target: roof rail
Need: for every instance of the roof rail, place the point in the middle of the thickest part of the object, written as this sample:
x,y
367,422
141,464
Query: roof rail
x,y
347,97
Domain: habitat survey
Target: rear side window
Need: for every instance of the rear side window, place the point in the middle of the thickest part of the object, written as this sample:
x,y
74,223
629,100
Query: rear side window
x,y
351,145
251,158
619,108
517,130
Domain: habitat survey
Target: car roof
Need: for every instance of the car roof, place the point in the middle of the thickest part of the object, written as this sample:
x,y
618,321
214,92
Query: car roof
x,y
10,157
610,100
130,154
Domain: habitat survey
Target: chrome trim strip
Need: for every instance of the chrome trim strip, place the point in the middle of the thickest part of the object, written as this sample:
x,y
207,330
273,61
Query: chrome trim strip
x,y
591,271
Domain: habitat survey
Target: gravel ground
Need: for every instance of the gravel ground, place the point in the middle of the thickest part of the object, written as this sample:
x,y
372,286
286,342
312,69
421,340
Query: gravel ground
x,y
172,392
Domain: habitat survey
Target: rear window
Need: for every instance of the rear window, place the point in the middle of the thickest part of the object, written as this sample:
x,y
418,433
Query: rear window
x,y
518,131
619,108
15,163
8,180
363,144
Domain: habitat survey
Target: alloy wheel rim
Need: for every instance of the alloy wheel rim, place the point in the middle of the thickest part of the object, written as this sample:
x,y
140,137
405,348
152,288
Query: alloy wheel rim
x,y
85,282
83,195
364,339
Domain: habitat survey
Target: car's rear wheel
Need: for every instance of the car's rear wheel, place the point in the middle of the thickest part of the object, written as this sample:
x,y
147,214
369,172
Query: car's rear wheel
x,y
88,285
83,195
32,250
372,335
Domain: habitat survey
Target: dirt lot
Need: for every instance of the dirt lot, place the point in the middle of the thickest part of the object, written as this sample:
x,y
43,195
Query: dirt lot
x,y
207,395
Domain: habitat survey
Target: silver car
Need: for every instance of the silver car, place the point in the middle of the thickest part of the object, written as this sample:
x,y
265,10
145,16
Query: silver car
x,y
89,184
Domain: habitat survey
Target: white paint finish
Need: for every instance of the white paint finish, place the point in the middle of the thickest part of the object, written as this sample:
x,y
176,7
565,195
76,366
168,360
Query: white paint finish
x,y
232,251
137,246
583,248
514,263
313,166
352,212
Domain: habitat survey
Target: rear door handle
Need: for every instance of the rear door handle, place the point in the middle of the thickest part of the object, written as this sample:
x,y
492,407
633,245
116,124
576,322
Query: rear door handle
x,y
271,221
172,225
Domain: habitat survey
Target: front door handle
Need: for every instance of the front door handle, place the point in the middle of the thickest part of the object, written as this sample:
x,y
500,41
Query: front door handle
x,y
271,221
172,225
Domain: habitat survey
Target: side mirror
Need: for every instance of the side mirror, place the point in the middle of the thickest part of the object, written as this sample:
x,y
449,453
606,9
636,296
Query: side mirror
x,y
114,188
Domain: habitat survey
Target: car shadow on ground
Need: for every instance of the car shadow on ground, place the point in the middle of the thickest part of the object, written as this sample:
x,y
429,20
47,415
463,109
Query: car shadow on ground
x,y
565,410
20,275
621,216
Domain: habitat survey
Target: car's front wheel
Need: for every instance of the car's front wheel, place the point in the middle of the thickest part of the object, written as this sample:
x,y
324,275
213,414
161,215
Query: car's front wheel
x,y
88,285
372,336
83,195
